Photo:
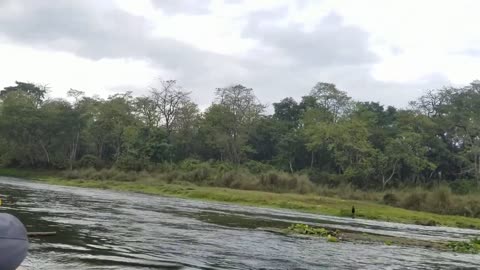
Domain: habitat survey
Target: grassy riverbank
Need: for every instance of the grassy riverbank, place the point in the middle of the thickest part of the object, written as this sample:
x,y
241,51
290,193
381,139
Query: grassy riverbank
x,y
308,202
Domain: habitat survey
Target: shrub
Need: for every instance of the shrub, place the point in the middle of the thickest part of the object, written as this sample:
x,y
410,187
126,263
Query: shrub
x,y
190,164
327,179
223,167
239,179
124,176
257,167
198,174
87,173
245,180
89,161
390,199
165,167
131,163
440,200
463,186
71,174
471,208
415,200
304,185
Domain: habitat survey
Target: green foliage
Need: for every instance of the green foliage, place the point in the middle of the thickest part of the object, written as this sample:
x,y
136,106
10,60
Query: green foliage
x,y
344,147
275,181
463,186
305,229
390,199
415,200
332,239
308,230
89,161
440,199
472,247
256,167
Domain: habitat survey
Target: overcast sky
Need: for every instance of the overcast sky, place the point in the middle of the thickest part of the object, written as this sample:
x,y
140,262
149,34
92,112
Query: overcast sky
x,y
376,50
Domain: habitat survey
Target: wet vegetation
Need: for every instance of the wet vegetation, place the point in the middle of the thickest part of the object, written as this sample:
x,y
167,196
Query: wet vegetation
x,y
334,235
330,235
473,246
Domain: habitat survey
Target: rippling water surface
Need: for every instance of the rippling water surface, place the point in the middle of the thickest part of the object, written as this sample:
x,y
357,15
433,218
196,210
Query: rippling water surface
x,y
99,229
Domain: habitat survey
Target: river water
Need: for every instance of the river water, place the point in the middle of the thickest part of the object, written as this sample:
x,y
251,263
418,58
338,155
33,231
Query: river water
x,y
98,229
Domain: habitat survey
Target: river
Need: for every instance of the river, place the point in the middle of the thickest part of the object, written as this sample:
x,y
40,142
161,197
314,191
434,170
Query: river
x,y
99,229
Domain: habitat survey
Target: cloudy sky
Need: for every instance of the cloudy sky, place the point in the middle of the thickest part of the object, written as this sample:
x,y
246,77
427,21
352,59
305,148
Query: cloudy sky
x,y
386,51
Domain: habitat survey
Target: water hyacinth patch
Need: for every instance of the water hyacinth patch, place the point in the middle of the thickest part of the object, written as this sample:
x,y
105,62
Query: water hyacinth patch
x,y
306,229
472,247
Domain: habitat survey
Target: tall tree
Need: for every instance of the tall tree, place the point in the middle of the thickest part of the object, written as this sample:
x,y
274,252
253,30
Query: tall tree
x,y
333,100
168,100
240,109
37,92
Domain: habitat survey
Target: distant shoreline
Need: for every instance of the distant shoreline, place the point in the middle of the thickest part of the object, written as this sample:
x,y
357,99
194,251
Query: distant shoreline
x,y
306,203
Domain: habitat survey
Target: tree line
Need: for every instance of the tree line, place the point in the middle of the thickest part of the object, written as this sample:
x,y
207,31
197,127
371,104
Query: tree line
x,y
326,134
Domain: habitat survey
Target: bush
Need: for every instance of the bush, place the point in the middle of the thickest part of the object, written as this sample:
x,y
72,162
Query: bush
x,y
304,185
390,199
415,200
198,174
284,182
190,164
327,179
71,174
471,208
124,176
257,167
87,173
440,200
244,180
463,186
131,163
89,161
223,167
235,179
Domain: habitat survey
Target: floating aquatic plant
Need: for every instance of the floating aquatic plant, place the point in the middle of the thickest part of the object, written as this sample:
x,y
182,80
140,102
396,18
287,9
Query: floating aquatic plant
x,y
473,246
306,229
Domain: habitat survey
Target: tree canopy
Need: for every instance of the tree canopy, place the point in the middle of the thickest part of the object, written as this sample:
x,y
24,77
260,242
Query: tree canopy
x,y
326,132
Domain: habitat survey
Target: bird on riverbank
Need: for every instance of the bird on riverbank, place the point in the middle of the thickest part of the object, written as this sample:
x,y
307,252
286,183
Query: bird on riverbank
x,y
353,211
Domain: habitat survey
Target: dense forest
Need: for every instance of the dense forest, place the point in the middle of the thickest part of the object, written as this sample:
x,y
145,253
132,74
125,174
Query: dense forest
x,y
325,135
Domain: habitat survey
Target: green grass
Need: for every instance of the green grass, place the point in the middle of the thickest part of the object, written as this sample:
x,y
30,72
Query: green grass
x,y
306,203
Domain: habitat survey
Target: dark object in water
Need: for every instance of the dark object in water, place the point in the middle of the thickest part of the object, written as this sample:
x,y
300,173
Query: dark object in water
x,y
353,211
34,234
14,242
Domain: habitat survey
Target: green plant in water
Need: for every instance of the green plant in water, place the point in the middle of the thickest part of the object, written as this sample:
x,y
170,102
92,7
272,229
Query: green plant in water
x,y
309,230
472,247
332,239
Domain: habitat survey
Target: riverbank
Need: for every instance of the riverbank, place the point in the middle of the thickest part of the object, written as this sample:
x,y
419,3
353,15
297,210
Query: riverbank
x,y
307,203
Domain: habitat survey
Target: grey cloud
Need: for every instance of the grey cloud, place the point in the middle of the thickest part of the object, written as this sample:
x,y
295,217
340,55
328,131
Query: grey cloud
x,y
82,27
330,43
95,32
195,7
470,52
288,62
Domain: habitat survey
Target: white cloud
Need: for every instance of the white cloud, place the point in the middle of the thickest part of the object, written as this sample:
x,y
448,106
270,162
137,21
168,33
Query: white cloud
x,y
428,33
62,71
378,50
